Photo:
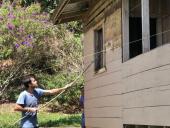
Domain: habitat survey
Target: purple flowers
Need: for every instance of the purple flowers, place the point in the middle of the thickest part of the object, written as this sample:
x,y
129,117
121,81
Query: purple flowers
x,y
10,26
17,45
30,36
11,15
26,43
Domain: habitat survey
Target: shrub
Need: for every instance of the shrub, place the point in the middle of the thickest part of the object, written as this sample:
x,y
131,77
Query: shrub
x,y
35,46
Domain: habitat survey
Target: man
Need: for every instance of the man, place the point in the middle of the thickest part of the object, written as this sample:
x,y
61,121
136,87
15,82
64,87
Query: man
x,y
27,102
82,107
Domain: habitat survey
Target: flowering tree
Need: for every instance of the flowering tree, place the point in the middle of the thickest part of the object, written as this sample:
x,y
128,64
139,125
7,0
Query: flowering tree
x,y
34,45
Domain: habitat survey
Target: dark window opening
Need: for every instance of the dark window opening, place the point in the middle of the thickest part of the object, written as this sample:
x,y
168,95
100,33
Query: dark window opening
x,y
129,126
153,37
143,126
99,53
135,35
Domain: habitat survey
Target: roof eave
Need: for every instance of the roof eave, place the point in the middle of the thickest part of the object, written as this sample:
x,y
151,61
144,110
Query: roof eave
x,y
58,10
70,10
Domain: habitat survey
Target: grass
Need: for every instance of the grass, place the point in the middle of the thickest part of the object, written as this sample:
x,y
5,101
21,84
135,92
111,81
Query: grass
x,y
46,119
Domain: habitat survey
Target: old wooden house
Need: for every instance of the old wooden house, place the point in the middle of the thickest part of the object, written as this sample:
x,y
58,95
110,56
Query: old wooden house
x,y
129,83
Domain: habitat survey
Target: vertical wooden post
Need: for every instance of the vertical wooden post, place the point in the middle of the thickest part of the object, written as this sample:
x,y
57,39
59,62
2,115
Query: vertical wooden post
x,y
125,29
145,26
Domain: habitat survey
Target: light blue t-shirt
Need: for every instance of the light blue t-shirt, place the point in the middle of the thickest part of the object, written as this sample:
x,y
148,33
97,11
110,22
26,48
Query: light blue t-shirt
x,y
27,100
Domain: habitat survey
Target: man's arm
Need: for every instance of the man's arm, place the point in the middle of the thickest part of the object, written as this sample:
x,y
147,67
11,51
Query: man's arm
x,y
19,107
57,90
53,91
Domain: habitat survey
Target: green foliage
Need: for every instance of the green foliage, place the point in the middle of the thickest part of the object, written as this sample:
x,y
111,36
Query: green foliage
x,y
69,102
46,5
75,27
59,120
35,46
45,119
5,53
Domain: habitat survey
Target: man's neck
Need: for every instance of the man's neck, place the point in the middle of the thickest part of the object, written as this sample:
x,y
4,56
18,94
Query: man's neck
x,y
30,90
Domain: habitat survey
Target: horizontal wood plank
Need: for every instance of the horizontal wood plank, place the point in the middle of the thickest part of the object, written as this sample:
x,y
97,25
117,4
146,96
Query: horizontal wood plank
x,y
104,122
104,79
115,101
150,79
157,116
158,96
110,89
113,112
147,61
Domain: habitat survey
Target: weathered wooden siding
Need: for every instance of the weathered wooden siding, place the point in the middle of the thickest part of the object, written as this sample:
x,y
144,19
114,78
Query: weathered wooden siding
x,y
103,99
146,89
133,92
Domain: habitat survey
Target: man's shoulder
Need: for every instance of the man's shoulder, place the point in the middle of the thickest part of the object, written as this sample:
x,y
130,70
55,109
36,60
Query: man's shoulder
x,y
38,89
21,97
23,92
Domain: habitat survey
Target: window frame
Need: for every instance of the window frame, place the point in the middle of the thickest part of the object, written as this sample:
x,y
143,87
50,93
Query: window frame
x,y
102,67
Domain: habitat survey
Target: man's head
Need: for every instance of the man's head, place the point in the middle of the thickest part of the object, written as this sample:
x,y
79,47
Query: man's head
x,y
29,81
82,90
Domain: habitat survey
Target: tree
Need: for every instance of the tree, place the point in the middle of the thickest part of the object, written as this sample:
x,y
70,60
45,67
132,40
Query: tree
x,y
35,46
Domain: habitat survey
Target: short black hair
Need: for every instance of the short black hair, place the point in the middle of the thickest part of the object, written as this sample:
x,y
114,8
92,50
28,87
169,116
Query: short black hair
x,y
26,80
82,88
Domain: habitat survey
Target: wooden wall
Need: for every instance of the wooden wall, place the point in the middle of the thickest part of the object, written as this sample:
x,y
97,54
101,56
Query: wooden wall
x,y
146,91
145,78
103,99
134,92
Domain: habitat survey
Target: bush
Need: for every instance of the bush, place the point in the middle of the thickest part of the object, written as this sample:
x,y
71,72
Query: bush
x,y
35,46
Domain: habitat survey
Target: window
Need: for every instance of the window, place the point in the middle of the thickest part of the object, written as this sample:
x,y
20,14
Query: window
x,y
99,52
135,29
146,25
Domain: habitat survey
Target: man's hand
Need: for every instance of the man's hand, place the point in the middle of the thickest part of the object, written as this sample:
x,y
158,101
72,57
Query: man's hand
x,y
29,109
19,107
68,85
